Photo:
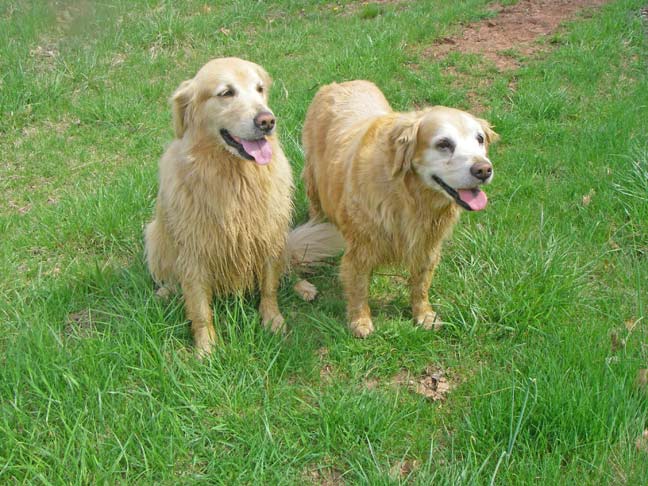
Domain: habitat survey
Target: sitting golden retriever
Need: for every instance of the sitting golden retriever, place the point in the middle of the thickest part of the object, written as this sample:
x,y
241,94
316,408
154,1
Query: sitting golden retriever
x,y
393,185
224,203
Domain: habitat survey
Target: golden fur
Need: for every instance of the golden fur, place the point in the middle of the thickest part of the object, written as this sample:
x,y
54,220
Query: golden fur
x,y
369,171
220,221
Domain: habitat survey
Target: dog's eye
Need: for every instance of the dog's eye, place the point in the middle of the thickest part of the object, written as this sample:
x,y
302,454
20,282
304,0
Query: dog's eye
x,y
260,89
445,144
480,138
227,93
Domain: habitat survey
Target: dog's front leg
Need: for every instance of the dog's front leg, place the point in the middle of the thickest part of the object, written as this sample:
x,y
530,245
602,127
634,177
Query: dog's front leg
x,y
198,296
268,307
421,273
356,277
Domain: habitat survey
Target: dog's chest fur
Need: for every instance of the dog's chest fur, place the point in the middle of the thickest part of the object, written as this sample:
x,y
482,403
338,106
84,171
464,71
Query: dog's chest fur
x,y
231,215
402,224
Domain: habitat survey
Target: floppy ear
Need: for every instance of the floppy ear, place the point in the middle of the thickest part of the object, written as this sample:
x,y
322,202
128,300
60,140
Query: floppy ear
x,y
181,101
267,80
403,138
491,136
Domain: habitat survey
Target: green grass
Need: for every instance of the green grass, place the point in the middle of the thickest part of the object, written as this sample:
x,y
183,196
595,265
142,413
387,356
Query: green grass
x,y
97,380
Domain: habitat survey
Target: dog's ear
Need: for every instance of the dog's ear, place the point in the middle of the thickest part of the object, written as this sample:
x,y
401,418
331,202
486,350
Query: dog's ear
x,y
181,105
491,136
403,138
265,77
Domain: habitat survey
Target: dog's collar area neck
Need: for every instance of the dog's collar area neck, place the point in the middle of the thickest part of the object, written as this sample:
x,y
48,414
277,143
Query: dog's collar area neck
x,y
451,192
229,140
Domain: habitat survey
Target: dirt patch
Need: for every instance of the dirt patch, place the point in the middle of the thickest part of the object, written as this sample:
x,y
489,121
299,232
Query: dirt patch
x,y
432,383
512,32
45,51
18,207
367,10
323,476
326,372
79,324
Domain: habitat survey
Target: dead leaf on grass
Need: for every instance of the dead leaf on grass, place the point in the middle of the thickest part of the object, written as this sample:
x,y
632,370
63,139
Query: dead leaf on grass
x,y
641,380
631,323
325,372
587,198
327,369
403,469
616,342
118,60
642,442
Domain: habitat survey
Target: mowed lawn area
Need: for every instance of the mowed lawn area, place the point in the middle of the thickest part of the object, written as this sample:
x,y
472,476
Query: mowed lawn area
x,y
536,376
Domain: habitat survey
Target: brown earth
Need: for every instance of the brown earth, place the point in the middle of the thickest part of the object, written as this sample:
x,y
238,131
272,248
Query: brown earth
x,y
323,476
432,383
514,28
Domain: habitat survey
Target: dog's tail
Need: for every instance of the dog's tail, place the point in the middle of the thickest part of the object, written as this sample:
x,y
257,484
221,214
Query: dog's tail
x,y
308,245
312,243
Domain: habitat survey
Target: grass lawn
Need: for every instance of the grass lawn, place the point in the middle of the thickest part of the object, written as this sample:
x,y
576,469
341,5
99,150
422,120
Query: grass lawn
x,y
544,293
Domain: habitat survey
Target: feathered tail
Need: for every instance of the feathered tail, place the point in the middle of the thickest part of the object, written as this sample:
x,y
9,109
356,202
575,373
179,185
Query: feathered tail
x,y
313,242
310,244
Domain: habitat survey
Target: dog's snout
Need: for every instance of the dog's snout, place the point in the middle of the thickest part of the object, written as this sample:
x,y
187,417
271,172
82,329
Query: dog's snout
x,y
482,170
264,121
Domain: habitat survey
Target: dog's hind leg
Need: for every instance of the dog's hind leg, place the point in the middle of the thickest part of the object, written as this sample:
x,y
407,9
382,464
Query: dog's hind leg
x,y
161,255
315,211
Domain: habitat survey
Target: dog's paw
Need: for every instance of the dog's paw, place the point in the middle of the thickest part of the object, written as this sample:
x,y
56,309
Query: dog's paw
x,y
204,343
305,290
361,327
429,320
165,292
275,323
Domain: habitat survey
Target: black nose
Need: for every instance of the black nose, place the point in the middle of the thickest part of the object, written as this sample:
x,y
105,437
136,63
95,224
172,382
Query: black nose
x,y
481,170
264,121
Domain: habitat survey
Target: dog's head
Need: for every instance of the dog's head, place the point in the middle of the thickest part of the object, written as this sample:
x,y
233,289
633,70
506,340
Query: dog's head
x,y
447,150
227,101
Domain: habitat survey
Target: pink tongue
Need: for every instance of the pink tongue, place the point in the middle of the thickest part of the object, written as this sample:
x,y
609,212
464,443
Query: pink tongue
x,y
259,149
474,198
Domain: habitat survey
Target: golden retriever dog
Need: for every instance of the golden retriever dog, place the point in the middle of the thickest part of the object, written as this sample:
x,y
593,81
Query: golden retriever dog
x,y
225,198
393,184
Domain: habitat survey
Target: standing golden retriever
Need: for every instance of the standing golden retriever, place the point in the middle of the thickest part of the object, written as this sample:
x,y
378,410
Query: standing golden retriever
x,y
393,185
224,203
